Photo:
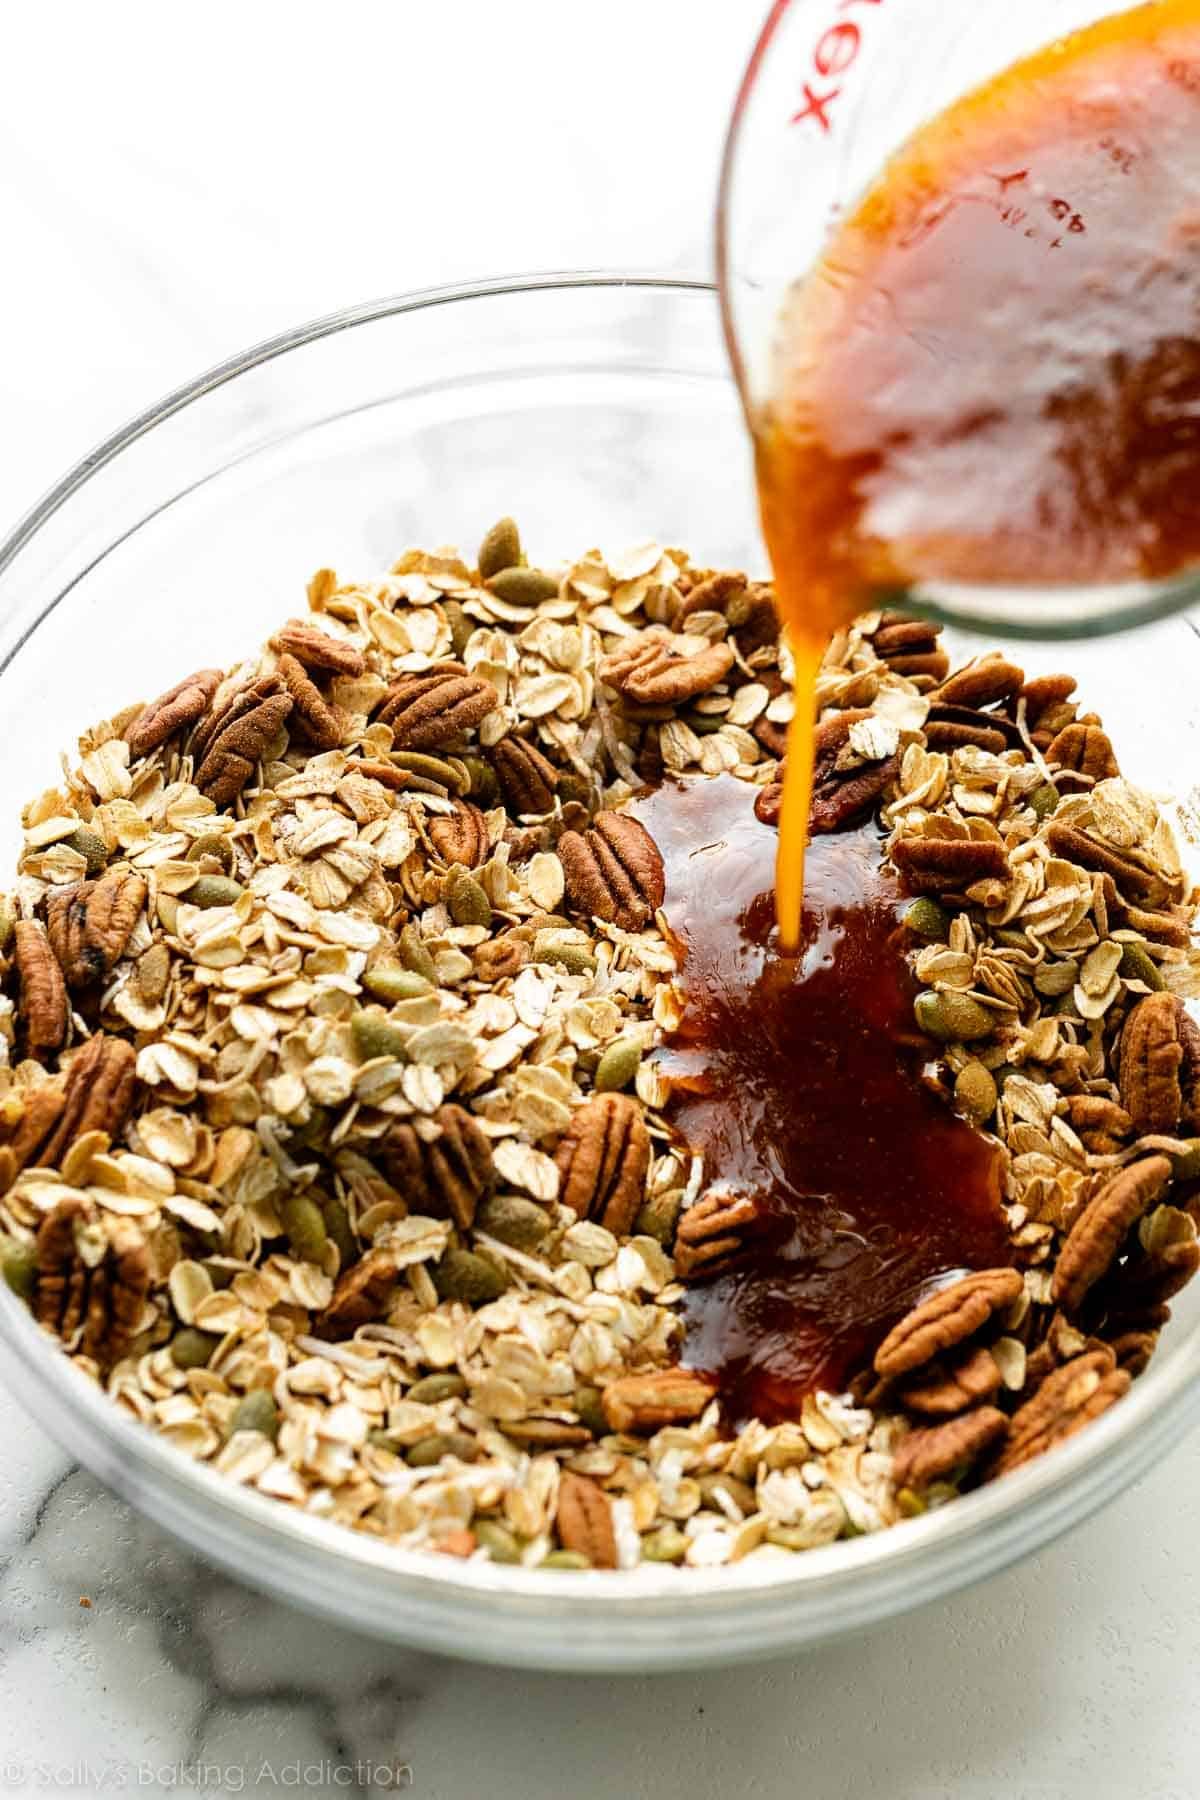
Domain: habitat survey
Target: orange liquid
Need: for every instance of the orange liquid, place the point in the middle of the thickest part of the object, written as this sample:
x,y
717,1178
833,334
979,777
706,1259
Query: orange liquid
x,y
799,1080
993,374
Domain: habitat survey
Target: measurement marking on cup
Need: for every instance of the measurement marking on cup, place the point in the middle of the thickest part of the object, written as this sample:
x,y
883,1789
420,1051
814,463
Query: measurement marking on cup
x,y
835,51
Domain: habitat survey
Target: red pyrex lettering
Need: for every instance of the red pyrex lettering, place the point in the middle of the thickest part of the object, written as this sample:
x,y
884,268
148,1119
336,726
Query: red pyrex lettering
x,y
834,52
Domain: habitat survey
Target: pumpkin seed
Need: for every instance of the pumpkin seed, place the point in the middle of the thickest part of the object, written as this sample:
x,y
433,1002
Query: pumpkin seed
x,y
214,890
214,844
910,1503
255,1411
373,1034
500,549
304,1226
460,626
618,1066
461,1275
666,1545
975,1093
430,1450
387,981
499,1542
523,587
591,1413
1044,800
658,1218
438,770
565,1559
484,788
702,724
432,1388
926,919
468,903
1138,965
574,957
91,846
952,1018
516,1221
18,1264
414,954
191,1349
337,1227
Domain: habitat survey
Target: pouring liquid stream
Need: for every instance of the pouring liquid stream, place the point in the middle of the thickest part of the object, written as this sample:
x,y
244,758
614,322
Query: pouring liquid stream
x,y
992,375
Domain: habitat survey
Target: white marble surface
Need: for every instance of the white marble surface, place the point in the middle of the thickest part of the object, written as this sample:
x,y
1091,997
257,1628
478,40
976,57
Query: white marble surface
x,y
176,182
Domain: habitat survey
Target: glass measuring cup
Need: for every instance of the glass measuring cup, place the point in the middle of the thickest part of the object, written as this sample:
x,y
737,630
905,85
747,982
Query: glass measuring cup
x,y
833,88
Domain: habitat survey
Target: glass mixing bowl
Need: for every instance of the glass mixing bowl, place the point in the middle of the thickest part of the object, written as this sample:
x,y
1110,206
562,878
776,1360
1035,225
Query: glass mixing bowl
x,y
599,410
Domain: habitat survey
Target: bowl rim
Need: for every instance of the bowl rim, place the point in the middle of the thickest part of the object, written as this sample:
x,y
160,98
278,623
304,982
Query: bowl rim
x,y
346,318
760,1608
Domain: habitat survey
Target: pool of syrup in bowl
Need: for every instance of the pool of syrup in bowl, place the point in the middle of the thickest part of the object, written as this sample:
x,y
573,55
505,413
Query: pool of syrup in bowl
x,y
799,1080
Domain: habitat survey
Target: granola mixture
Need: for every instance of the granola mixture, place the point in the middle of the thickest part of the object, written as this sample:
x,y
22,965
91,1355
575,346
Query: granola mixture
x,y
333,1142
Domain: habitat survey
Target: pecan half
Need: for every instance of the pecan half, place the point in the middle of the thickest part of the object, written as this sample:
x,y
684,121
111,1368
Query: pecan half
x,y
43,1004
932,865
950,727
1101,1126
989,679
311,712
771,735
712,1234
603,1159
1142,886
748,608
1048,706
1085,750
952,734
460,836
840,794
1099,1232
950,1387
446,1176
1134,1350
910,648
173,711
91,1290
1159,1068
649,671
663,1397
528,780
841,799
228,747
947,1318
584,1519
429,711
317,650
359,1297
1067,1399
614,871
90,924
100,1090
935,1451
41,1109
